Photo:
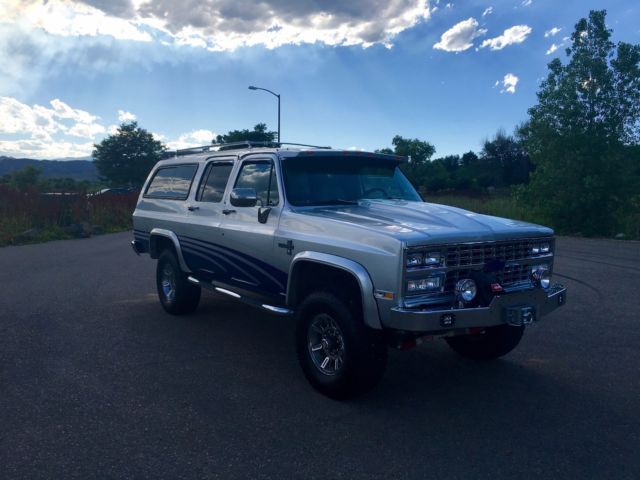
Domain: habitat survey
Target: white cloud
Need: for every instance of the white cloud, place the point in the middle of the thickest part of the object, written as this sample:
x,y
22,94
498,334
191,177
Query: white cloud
x,y
124,116
526,3
511,36
555,46
552,49
460,37
44,149
550,33
43,132
224,24
508,83
194,138
487,11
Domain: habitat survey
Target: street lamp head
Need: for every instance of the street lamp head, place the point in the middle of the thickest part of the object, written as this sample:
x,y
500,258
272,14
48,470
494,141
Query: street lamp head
x,y
251,87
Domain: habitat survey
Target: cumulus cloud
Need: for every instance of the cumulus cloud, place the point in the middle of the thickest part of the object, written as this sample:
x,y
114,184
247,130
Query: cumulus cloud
x,y
40,129
508,83
124,116
460,37
511,36
226,24
487,11
61,131
552,32
194,138
555,46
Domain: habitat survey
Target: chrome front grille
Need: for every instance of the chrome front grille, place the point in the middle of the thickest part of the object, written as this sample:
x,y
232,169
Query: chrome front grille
x,y
479,254
512,263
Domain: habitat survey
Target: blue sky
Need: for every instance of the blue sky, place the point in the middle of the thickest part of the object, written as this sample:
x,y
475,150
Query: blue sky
x,y
351,74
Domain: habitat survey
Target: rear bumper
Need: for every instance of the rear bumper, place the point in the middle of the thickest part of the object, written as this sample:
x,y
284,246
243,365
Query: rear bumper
x,y
504,309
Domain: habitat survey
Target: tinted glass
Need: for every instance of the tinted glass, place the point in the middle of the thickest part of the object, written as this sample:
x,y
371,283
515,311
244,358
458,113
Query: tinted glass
x,y
172,182
262,177
344,180
214,182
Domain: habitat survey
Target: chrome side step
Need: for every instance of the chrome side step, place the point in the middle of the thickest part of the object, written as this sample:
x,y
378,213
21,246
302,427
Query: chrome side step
x,y
247,300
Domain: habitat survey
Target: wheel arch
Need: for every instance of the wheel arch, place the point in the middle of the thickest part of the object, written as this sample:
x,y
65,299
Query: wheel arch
x,y
159,239
305,262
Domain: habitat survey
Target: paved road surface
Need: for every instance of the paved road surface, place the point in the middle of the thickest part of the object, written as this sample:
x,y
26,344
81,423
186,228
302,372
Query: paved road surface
x,y
96,381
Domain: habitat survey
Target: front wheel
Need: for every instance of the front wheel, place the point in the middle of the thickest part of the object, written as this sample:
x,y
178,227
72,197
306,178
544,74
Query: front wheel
x,y
339,355
493,343
177,295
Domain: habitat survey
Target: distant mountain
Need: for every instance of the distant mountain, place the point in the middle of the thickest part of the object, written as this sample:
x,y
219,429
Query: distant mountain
x,y
83,169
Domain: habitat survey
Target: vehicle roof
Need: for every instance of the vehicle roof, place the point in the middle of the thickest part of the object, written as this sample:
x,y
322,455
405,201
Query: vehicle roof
x,y
282,152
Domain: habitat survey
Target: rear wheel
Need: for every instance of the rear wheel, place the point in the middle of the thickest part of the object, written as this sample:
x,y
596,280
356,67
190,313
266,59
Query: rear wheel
x,y
339,355
177,295
493,343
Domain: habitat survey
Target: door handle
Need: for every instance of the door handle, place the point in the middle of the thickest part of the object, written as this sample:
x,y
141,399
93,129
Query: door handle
x,y
227,211
193,208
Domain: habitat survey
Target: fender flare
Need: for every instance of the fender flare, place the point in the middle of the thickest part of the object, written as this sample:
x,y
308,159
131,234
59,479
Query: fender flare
x,y
369,304
161,232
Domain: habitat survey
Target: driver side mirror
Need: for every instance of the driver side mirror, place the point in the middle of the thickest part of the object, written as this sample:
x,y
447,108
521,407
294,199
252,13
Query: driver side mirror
x,y
244,197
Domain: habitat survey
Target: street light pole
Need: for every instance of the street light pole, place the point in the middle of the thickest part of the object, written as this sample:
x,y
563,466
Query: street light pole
x,y
251,87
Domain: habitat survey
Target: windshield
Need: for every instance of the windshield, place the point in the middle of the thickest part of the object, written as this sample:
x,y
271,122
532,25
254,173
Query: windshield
x,y
344,181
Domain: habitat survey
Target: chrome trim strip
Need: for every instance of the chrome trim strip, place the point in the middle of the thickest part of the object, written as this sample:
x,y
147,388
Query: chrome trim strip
x,y
280,310
227,292
193,280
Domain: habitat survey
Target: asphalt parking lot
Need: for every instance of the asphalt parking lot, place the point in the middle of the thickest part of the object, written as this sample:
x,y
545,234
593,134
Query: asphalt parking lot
x,y
96,381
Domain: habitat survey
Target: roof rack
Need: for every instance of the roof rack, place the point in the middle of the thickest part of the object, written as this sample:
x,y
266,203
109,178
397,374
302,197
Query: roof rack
x,y
217,147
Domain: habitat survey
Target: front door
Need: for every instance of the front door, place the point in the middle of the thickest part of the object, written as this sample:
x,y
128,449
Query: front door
x,y
249,232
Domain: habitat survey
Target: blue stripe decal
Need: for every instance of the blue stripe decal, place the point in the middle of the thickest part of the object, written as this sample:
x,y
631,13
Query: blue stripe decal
x,y
241,269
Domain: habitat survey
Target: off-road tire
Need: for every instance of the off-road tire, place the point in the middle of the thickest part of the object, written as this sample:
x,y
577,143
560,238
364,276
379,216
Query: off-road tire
x,y
182,297
364,349
493,343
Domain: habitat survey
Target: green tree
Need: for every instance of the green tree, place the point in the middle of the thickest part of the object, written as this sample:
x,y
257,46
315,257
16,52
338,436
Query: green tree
x,y
26,178
127,156
505,158
419,153
580,133
258,134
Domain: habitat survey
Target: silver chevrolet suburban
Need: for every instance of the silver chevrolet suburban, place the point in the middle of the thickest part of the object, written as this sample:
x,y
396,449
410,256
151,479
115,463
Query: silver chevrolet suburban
x,y
343,241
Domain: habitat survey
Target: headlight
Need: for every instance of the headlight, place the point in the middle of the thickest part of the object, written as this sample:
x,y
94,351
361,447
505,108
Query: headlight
x,y
426,285
428,259
414,259
541,248
433,259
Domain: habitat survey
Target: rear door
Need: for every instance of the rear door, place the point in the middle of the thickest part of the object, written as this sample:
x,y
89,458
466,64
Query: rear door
x,y
201,244
249,232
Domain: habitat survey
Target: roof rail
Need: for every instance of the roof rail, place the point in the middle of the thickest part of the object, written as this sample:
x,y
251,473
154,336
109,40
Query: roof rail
x,y
217,147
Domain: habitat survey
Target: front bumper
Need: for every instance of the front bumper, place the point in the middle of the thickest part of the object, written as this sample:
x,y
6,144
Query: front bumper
x,y
503,309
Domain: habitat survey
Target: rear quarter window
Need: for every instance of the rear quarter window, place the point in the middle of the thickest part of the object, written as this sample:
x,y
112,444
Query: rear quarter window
x,y
172,182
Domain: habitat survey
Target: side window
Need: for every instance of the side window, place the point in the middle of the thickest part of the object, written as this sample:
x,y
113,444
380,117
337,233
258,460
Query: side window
x,y
214,180
262,177
172,182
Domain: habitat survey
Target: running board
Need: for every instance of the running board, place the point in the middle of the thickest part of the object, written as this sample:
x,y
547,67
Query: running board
x,y
249,301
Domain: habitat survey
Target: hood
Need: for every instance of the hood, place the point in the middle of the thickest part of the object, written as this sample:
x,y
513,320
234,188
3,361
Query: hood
x,y
426,223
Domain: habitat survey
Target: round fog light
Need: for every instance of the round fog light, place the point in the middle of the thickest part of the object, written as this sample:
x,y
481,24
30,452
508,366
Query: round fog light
x,y
466,289
542,277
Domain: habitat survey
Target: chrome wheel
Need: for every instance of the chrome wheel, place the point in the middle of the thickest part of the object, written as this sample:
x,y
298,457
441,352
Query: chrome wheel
x,y
168,282
326,344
